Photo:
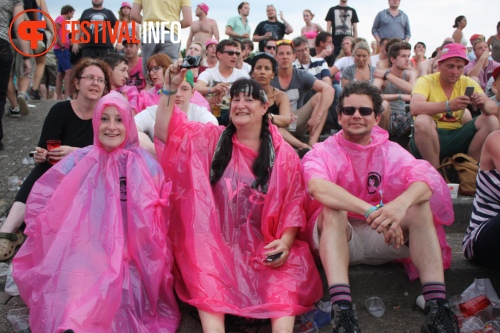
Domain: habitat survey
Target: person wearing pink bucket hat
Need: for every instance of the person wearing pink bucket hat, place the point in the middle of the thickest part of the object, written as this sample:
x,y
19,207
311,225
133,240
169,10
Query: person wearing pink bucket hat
x,y
203,29
442,127
211,53
124,16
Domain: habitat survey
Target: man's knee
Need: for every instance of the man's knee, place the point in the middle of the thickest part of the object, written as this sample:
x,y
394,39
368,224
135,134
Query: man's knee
x,y
419,214
486,122
332,220
424,124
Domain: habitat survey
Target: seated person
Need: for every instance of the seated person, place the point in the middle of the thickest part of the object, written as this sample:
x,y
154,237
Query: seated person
x,y
97,244
481,68
238,204
68,121
481,240
145,121
296,83
396,84
118,70
374,203
361,70
438,103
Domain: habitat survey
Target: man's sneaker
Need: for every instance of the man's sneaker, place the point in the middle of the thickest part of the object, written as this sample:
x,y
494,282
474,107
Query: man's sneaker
x,y
35,94
345,319
14,112
22,101
439,318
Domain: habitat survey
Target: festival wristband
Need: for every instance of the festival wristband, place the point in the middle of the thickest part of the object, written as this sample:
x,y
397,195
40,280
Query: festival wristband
x,y
372,209
168,92
448,109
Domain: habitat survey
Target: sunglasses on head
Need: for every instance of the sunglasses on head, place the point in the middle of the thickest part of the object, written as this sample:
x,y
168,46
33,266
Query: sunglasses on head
x,y
350,110
232,53
284,41
270,47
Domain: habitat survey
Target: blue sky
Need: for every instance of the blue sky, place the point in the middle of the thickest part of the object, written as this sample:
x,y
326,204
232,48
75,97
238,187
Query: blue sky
x,y
431,20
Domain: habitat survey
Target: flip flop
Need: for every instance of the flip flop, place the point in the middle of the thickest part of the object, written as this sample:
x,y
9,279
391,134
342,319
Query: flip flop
x,y
8,244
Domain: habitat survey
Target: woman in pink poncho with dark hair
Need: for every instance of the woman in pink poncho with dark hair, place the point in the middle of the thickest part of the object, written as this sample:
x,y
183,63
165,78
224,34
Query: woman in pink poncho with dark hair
x,y
97,258
237,199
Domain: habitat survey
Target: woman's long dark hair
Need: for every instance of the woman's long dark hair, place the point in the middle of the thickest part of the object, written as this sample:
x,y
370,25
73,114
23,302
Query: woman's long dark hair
x,y
262,166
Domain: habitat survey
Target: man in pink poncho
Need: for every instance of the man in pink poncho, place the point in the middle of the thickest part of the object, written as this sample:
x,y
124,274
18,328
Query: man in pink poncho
x,y
237,199
97,258
373,203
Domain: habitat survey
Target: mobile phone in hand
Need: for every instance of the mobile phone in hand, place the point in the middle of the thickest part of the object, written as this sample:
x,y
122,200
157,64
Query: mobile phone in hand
x,y
273,257
469,91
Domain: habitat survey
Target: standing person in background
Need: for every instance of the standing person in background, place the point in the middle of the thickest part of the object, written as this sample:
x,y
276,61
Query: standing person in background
x,y
203,29
237,27
63,54
341,21
271,28
124,16
8,10
161,11
458,35
42,46
494,44
94,49
135,76
392,22
310,30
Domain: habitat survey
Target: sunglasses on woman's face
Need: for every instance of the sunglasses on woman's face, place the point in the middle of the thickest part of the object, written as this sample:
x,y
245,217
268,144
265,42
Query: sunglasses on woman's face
x,y
350,110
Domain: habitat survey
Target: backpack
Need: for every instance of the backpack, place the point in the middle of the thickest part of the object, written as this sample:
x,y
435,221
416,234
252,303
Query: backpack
x,y
462,169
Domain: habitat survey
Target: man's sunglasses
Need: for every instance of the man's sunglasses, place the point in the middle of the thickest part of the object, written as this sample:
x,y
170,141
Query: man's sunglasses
x,y
284,41
270,47
232,53
350,110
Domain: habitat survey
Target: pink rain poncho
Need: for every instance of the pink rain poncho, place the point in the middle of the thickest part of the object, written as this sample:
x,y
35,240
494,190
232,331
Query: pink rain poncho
x,y
97,257
152,97
221,230
381,165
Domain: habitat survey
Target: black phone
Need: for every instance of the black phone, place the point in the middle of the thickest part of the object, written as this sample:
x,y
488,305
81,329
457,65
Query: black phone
x,y
273,257
469,91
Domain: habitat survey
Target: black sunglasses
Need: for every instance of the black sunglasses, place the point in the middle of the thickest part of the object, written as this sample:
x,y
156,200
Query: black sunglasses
x,y
350,110
271,47
232,53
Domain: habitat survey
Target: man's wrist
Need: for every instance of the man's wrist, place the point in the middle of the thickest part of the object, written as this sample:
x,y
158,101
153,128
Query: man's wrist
x,y
386,74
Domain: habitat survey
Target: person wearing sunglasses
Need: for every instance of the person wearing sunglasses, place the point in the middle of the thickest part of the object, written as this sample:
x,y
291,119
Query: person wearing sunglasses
x,y
374,203
214,83
306,116
238,200
270,46
271,28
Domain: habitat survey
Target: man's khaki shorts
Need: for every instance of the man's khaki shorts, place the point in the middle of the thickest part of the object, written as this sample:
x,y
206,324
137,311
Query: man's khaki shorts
x,y
367,246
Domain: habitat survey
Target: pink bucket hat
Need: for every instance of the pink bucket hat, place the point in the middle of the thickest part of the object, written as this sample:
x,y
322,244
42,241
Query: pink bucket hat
x,y
204,7
211,41
126,4
454,50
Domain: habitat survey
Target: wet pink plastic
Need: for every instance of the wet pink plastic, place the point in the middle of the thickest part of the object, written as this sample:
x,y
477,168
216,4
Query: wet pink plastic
x,y
220,230
397,168
97,258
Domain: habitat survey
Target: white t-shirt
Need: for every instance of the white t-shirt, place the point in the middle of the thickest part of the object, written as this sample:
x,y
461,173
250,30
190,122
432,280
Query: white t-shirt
x,y
343,63
145,120
374,59
246,67
212,76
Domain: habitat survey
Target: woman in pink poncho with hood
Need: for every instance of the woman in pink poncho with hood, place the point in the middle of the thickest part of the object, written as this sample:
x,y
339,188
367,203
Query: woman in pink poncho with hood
x,y
97,258
237,197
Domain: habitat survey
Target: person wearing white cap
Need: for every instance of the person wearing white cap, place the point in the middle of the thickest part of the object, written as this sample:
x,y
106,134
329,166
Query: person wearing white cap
x,y
203,29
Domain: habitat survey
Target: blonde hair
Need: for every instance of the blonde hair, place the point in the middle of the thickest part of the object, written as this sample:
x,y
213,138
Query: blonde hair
x,y
309,11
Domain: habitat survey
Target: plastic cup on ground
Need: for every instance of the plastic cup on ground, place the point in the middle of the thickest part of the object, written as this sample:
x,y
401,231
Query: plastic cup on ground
x,y
53,144
470,324
13,183
375,306
453,190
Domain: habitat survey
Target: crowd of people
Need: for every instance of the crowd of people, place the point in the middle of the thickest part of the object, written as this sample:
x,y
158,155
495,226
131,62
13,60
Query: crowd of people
x,y
202,171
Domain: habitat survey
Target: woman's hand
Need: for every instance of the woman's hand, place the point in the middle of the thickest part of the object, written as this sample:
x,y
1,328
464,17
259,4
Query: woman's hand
x,y
59,153
277,246
40,155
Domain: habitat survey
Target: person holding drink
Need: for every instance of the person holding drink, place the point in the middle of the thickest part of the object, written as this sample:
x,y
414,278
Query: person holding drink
x,y
97,222
70,122
238,200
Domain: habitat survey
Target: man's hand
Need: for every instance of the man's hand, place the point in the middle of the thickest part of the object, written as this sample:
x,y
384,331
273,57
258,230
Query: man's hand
x,y
379,73
75,48
220,89
479,100
387,220
459,103
312,123
245,35
281,16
